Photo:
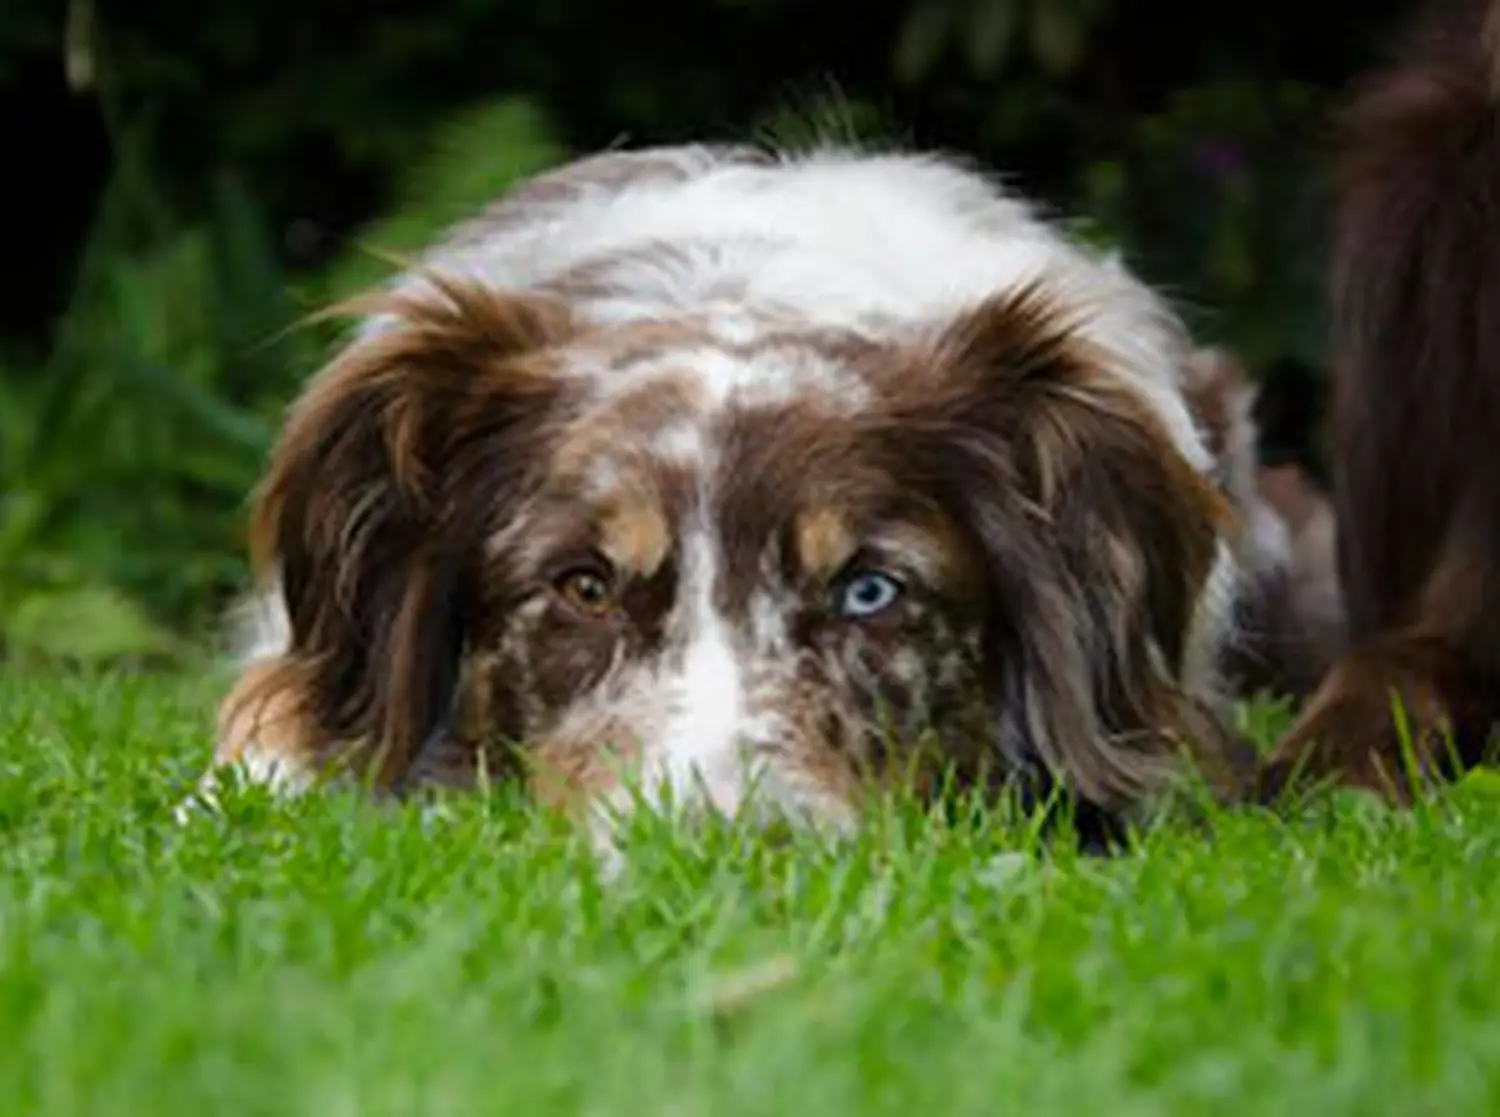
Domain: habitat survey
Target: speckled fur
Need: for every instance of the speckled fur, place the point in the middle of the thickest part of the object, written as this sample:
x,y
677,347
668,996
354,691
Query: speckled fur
x,y
726,378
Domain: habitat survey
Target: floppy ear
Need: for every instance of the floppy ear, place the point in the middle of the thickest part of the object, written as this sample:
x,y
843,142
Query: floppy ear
x,y
1099,537
391,468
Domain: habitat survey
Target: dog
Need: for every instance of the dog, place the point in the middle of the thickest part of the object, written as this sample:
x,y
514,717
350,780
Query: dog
x,y
751,481
1415,408
1292,629
1289,625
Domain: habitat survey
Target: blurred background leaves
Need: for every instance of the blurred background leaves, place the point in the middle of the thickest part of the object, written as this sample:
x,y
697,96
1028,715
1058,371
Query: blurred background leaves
x,y
193,178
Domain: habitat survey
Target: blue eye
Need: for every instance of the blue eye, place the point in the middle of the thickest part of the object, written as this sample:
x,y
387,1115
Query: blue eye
x,y
868,593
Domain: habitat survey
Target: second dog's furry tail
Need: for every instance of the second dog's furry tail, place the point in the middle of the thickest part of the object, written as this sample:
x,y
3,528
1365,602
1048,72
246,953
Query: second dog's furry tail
x,y
1416,300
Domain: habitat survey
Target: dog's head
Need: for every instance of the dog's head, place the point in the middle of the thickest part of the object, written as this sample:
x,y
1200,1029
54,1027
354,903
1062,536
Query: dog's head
x,y
792,558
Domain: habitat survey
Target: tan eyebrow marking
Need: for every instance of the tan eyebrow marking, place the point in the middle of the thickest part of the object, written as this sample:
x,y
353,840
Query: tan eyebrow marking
x,y
633,534
824,540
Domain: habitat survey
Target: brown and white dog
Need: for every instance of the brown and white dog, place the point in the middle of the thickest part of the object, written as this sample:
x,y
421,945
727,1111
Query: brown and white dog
x,y
710,469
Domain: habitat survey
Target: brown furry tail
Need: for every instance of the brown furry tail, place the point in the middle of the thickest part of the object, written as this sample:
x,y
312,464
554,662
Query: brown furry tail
x,y
1415,438
1416,309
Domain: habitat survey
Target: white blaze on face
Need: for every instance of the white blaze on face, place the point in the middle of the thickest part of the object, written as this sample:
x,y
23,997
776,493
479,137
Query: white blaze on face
x,y
699,750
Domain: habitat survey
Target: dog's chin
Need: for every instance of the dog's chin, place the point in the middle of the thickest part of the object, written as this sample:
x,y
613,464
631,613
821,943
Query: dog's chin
x,y
778,816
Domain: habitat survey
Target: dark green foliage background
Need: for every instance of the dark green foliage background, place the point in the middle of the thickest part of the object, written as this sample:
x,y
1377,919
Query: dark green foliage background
x,y
194,176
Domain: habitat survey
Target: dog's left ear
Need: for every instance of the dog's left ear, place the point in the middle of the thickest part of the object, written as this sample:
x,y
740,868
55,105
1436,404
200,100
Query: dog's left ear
x,y
391,468
1099,535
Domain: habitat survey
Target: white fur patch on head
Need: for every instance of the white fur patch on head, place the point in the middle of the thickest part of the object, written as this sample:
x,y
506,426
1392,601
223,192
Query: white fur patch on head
x,y
877,244
682,444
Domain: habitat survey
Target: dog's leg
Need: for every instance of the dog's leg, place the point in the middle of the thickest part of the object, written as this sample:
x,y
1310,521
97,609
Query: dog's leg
x,y
262,738
262,732
1382,721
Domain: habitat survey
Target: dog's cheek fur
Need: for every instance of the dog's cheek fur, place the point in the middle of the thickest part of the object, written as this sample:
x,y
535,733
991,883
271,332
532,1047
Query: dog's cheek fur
x,y
1102,542
858,710
367,521
1103,649
902,702
266,726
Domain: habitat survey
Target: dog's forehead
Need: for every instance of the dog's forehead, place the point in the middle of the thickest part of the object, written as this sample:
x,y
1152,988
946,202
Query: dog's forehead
x,y
685,397
732,356
761,455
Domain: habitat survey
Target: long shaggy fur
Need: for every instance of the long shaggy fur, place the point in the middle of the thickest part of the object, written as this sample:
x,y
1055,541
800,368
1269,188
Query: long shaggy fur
x,y
1416,408
610,476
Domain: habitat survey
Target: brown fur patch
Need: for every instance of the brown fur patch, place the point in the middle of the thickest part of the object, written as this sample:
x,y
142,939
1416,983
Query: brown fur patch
x,y
635,537
1347,733
929,541
367,516
266,713
1416,403
626,426
825,541
570,772
1099,538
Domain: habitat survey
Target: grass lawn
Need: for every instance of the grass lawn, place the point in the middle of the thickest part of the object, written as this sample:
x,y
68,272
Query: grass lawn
x,y
330,958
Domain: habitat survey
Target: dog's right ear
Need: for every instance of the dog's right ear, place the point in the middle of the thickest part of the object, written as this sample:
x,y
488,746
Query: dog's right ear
x,y
393,466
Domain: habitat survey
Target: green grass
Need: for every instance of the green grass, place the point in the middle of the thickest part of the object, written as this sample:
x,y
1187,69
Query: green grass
x,y
328,957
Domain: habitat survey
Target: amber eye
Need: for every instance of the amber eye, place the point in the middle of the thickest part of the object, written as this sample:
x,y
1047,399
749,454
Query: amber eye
x,y
586,590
